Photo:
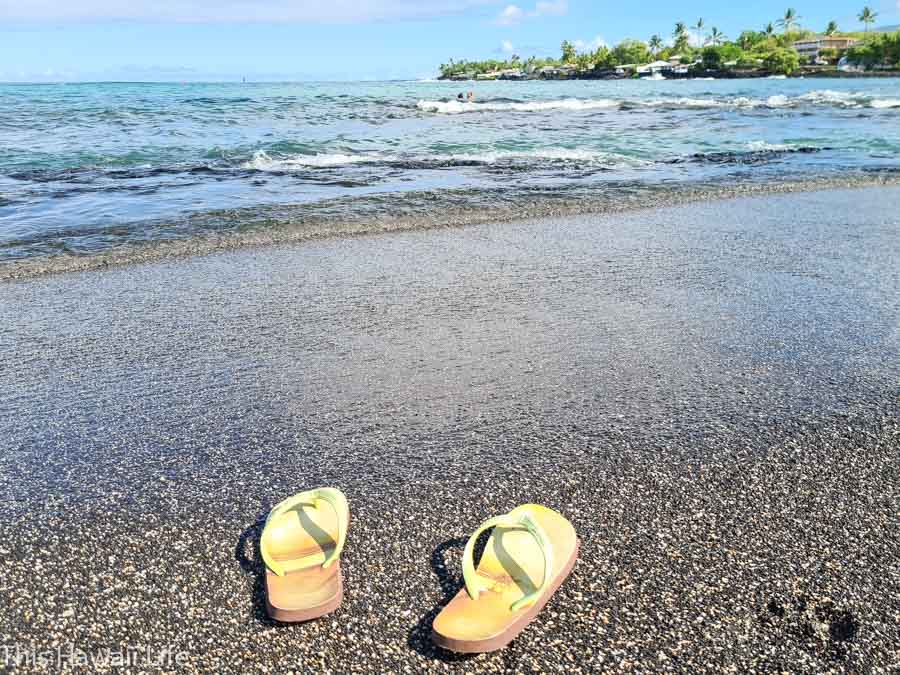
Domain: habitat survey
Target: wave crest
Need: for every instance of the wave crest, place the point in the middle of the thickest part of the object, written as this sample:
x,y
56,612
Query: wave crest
x,y
456,107
825,97
264,162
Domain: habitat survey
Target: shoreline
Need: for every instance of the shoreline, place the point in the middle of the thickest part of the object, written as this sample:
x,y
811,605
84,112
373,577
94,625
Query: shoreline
x,y
295,232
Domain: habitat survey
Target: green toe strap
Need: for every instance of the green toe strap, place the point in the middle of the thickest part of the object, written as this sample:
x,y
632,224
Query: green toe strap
x,y
331,496
475,584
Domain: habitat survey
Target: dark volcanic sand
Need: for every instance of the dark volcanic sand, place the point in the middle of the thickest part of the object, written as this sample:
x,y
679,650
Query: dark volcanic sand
x,y
709,393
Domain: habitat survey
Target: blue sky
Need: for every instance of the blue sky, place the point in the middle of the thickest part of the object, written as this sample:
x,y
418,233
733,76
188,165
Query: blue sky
x,y
61,40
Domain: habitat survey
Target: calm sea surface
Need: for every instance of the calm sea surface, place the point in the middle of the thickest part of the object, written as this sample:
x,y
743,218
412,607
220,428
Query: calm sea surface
x,y
88,167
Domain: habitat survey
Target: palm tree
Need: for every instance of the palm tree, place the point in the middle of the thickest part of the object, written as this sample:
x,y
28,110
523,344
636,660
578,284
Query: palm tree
x,y
716,37
769,30
682,38
831,28
867,16
699,26
655,44
789,20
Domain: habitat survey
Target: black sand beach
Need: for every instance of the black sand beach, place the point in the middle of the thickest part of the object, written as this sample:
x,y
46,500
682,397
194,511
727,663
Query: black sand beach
x,y
708,392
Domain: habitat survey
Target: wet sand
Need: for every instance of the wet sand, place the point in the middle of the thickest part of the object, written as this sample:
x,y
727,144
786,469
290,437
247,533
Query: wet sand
x,y
260,226
709,393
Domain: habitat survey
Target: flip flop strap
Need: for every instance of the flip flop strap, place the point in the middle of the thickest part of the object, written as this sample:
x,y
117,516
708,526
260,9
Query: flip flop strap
x,y
474,583
334,498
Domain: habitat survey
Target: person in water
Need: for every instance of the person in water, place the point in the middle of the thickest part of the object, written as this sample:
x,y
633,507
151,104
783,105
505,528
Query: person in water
x,y
471,97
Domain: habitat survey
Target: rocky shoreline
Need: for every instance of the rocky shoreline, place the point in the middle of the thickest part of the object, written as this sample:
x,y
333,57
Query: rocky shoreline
x,y
730,74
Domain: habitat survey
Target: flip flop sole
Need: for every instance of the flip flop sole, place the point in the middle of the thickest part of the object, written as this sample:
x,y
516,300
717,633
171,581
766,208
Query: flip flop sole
x,y
500,641
285,615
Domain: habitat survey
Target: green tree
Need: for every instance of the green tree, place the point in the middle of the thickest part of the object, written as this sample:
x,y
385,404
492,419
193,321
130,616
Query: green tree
x,y
655,44
769,29
699,26
631,51
716,37
782,61
569,52
789,20
749,39
829,55
712,58
585,61
602,57
682,38
831,28
867,16
878,49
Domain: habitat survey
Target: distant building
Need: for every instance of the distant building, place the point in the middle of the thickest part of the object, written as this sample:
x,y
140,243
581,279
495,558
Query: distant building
x,y
811,48
562,72
511,74
655,67
661,68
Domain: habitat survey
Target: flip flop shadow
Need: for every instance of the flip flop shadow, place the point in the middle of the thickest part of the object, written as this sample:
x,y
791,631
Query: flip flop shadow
x,y
420,636
252,565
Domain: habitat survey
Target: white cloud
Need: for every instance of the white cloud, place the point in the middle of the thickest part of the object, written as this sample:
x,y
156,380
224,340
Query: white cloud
x,y
231,11
590,46
507,47
555,8
511,14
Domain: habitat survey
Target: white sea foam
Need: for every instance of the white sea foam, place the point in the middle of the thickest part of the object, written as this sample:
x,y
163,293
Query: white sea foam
x,y
262,161
456,107
682,102
765,146
830,96
824,97
581,156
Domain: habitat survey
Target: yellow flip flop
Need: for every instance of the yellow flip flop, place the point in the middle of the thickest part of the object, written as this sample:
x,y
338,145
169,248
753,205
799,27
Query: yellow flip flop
x,y
301,545
529,554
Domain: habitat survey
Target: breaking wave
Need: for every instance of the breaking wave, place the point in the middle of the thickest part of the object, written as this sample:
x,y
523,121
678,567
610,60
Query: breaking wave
x,y
824,97
263,161
456,107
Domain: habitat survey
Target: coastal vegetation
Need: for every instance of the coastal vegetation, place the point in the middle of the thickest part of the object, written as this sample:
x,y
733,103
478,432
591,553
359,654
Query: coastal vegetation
x,y
879,50
695,50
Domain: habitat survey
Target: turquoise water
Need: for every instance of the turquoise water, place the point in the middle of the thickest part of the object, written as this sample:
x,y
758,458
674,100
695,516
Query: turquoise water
x,y
86,167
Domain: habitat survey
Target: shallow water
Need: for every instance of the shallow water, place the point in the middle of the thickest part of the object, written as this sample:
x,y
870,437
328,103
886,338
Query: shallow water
x,y
89,167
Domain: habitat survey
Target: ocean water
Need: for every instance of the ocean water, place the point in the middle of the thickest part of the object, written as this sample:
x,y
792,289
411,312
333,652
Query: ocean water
x,y
85,168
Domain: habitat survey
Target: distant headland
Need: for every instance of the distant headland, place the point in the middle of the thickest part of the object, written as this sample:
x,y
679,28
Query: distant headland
x,y
781,48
